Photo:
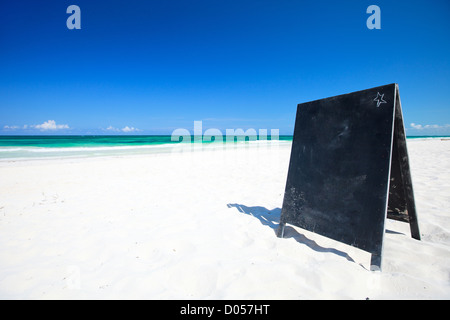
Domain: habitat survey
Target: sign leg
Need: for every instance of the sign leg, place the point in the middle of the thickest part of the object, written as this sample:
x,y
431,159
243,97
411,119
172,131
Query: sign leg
x,y
280,230
375,262
414,227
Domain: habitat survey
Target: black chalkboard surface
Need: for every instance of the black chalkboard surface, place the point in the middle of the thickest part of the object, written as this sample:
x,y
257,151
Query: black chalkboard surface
x,y
349,169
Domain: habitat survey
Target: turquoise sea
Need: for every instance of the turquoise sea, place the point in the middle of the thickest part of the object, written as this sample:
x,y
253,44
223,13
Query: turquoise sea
x,y
52,146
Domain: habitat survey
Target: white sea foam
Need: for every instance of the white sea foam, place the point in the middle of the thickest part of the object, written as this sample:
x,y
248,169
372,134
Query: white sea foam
x,y
6,149
19,153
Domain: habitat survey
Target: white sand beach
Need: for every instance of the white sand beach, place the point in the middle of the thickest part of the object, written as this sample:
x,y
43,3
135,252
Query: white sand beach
x,y
201,225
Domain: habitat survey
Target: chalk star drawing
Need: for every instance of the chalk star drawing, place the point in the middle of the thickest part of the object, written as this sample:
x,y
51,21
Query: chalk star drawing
x,y
379,99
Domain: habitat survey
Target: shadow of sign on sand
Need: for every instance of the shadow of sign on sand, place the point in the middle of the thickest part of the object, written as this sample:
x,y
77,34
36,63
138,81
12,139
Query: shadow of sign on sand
x,y
271,219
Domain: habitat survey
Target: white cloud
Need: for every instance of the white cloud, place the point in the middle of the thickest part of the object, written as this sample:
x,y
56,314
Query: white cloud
x,y
125,129
50,125
10,127
128,129
111,128
429,126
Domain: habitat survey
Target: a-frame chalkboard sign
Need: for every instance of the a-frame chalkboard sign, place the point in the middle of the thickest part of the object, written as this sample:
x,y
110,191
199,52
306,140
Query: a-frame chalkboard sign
x,y
349,169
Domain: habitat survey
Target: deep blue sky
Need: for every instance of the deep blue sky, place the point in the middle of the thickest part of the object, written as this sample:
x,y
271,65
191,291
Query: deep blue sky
x,y
160,65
